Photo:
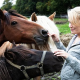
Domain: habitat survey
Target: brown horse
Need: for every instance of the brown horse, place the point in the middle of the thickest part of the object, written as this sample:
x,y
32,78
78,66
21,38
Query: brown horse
x,y
21,63
14,26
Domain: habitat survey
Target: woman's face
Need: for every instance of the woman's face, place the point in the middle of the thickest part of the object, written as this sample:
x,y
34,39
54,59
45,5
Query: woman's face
x,y
75,29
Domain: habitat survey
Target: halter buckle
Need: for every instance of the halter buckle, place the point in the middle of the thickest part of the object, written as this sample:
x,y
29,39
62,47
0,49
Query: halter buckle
x,y
40,65
22,67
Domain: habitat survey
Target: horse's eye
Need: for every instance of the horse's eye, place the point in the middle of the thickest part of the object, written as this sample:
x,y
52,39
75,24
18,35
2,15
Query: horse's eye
x,y
29,55
13,23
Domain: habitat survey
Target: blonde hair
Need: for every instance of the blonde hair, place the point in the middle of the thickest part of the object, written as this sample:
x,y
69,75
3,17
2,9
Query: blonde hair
x,y
74,15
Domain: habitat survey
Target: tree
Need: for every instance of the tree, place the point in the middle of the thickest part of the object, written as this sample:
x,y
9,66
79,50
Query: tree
x,y
46,7
51,6
7,4
39,7
26,7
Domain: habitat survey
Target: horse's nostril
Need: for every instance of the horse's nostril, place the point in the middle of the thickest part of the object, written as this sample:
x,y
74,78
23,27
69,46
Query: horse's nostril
x,y
44,33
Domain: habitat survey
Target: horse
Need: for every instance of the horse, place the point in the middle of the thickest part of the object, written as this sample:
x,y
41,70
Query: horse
x,y
15,27
21,63
48,24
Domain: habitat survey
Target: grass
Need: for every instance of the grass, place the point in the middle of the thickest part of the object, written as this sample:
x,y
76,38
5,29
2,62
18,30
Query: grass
x,y
60,19
63,28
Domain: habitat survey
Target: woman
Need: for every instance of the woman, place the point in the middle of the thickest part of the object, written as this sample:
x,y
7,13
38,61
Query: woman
x,y
71,67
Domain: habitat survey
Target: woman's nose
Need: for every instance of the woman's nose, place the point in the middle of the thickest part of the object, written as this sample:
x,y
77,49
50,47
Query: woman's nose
x,y
70,25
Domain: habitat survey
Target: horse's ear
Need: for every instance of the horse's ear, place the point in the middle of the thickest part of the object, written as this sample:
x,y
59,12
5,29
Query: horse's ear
x,y
2,15
51,17
9,55
34,17
14,44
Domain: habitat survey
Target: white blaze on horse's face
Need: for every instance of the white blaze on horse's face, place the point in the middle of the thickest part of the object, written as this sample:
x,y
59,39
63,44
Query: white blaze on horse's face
x,y
48,24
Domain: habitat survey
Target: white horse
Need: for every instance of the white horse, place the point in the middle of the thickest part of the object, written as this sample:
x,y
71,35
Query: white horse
x,y
48,24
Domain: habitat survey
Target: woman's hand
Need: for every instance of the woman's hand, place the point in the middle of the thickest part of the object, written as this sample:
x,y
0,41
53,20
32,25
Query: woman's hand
x,y
5,45
61,53
54,37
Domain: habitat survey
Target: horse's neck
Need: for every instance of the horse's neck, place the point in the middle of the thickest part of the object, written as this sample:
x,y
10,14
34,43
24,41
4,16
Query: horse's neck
x,y
4,74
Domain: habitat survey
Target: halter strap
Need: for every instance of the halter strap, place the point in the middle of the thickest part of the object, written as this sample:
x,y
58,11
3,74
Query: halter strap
x,y
42,59
24,68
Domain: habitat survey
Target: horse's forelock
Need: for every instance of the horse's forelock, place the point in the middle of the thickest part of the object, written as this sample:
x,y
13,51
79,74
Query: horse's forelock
x,y
15,13
7,15
12,12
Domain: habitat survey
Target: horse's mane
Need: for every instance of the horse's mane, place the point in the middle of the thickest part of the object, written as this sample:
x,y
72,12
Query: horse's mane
x,y
15,13
4,74
47,24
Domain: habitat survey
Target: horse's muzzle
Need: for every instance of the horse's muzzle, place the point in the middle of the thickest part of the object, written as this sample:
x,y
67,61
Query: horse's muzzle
x,y
44,33
43,38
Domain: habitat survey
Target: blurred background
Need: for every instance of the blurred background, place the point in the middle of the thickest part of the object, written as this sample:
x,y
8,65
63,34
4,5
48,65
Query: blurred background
x,y
46,7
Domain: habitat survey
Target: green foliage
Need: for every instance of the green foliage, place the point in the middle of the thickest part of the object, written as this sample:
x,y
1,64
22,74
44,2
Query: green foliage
x,y
51,5
7,4
53,78
39,7
26,7
13,7
46,7
63,28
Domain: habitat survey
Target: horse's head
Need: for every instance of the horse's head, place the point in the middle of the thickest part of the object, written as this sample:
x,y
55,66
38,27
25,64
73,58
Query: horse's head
x,y
48,24
14,26
32,62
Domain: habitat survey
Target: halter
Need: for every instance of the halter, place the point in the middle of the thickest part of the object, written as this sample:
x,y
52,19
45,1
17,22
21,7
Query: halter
x,y
24,68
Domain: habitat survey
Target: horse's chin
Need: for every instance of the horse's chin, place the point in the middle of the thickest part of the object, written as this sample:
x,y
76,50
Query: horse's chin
x,y
40,41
